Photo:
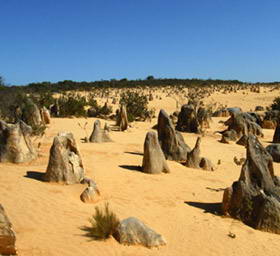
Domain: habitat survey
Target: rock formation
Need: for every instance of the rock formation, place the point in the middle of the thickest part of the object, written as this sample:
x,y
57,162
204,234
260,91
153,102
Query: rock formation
x,y
172,142
153,160
240,124
132,231
122,120
276,136
193,157
45,115
31,114
91,193
98,135
187,121
195,161
274,151
65,163
7,235
15,143
255,197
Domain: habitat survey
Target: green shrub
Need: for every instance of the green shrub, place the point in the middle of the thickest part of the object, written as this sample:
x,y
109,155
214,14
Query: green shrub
x,y
276,104
136,105
104,223
72,105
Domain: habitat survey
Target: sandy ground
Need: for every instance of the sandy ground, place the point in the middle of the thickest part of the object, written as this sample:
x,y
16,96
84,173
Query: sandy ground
x,y
182,205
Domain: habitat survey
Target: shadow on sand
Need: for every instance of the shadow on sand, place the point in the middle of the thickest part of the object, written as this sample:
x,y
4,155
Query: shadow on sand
x,y
134,153
132,167
35,175
214,208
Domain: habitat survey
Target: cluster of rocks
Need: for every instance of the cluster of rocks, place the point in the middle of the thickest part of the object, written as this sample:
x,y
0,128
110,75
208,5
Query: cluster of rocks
x,y
255,197
240,124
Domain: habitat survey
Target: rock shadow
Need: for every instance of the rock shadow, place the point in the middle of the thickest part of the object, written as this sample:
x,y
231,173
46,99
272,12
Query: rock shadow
x,y
132,167
214,208
134,153
35,175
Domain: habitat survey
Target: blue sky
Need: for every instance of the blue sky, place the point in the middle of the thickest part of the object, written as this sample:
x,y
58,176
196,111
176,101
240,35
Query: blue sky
x,y
87,40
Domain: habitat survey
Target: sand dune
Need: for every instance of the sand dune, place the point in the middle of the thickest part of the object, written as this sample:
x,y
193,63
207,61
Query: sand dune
x,y
182,205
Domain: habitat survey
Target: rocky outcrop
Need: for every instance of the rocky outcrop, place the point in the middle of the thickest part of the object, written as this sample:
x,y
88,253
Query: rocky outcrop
x,y
7,235
172,142
65,163
15,143
255,197
99,135
132,231
153,160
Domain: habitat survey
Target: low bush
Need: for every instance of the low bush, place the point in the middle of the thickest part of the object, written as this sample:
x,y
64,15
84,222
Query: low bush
x,y
104,223
136,106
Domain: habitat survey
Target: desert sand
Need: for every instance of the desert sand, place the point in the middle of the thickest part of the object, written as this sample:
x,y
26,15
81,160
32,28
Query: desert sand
x,y
182,206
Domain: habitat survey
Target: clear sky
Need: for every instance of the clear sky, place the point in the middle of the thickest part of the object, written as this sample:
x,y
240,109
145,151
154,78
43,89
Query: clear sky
x,y
87,40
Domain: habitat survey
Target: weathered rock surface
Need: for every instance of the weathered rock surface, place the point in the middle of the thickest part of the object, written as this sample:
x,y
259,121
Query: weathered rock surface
x,y
255,197
154,161
15,143
98,135
172,142
122,120
7,235
65,163
132,231
274,151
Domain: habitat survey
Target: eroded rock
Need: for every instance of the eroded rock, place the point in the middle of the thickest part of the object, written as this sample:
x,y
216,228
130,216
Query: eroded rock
x,y
153,160
132,231
15,143
99,135
65,163
255,197
172,142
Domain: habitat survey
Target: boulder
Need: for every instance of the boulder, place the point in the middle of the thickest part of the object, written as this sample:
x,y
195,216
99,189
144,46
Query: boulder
x,y
65,163
90,195
172,142
153,160
7,235
274,151
98,135
255,197
206,164
132,231
15,143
